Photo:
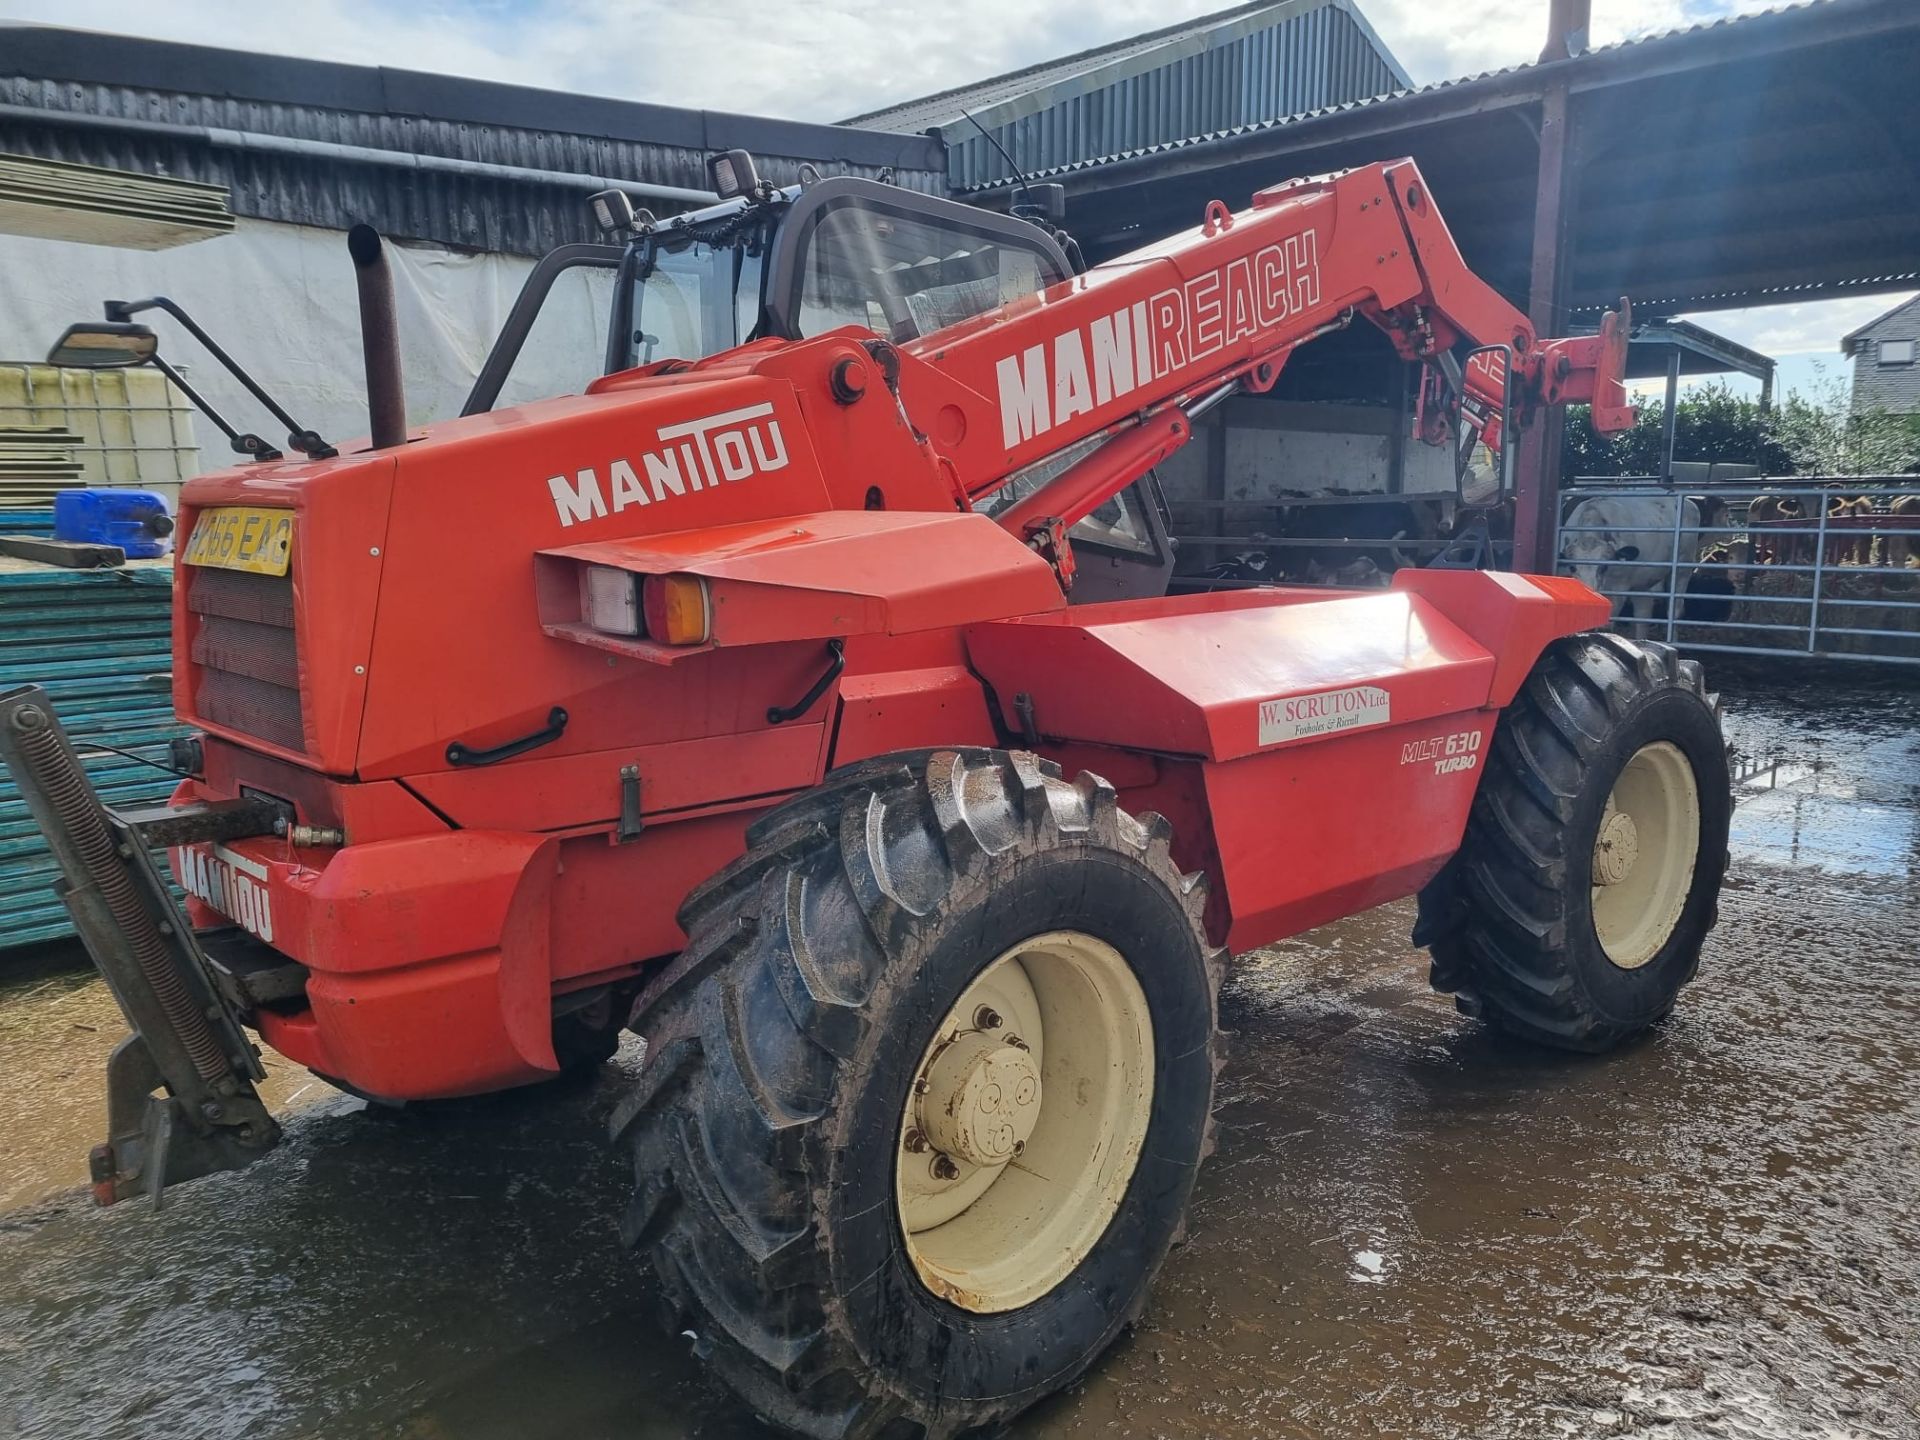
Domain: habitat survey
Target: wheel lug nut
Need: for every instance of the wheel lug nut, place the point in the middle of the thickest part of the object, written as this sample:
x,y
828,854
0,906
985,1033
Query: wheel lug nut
x,y
987,1018
1017,1043
944,1168
916,1140
1019,1147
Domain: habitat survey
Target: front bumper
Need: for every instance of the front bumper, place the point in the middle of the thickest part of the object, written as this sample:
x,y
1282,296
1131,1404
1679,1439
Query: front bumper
x,y
180,1088
426,958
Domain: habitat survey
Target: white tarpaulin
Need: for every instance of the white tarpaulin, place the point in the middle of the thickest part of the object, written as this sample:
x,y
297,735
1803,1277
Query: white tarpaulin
x,y
281,300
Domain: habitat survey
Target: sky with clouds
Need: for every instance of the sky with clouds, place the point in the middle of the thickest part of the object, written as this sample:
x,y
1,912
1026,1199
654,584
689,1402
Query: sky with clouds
x,y
828,59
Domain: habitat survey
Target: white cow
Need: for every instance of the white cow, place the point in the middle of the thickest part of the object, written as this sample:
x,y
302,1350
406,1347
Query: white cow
x,y
1632,528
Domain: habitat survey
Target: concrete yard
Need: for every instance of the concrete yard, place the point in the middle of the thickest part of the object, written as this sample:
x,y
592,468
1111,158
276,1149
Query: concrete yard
x,y
1408,1230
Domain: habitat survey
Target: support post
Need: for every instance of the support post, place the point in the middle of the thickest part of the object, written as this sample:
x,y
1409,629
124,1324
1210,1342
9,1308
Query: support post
x,y
1537,505
1668,418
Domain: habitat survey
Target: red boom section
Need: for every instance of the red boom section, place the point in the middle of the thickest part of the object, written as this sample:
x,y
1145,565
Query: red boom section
x,y
1222,304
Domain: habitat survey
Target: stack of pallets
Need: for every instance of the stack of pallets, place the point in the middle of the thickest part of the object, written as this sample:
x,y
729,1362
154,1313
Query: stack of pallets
x,y
96,205
100,643
36,463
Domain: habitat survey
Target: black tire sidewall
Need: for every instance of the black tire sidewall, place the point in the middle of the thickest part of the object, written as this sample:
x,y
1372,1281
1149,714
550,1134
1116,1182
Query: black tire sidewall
x,y
923,1345
1637,997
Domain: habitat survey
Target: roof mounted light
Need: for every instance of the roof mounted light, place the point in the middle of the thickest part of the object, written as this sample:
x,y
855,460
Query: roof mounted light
x,y
1046,202
614,214
733,174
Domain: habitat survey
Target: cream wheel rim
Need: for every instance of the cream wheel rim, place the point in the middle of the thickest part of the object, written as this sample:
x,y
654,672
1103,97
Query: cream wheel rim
x,y
1024,1122
1644,853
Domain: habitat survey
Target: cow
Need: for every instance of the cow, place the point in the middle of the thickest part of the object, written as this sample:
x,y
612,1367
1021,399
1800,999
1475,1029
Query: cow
x,y
1903,511
1769,513
1847,545
1387,522
1624,545
1720,578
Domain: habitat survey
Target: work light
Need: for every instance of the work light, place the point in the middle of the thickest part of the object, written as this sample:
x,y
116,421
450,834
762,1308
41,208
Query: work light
x,y
733,174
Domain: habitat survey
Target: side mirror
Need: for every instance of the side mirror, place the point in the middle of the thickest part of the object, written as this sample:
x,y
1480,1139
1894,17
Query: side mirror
x,y
104,345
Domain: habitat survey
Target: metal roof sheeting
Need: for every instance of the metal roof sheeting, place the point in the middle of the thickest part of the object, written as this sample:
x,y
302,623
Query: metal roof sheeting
x,y
61,91
1746,161
1233,68
99,642
1390,97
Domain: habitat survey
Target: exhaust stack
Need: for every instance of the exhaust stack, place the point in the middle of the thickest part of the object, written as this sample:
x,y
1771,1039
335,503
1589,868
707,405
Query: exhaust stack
x,y
380,337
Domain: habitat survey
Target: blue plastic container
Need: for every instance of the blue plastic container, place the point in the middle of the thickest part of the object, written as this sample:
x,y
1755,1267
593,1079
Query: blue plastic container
x,y
138,521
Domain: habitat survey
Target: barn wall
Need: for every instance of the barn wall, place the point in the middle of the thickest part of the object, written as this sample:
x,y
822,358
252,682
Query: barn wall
x,y
1275,447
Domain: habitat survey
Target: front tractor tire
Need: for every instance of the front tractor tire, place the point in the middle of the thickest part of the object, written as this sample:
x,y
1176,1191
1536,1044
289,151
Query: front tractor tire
x,y
1589,875
925,1095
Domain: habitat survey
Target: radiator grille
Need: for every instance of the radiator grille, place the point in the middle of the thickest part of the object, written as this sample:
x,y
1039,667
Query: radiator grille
x,y
244,651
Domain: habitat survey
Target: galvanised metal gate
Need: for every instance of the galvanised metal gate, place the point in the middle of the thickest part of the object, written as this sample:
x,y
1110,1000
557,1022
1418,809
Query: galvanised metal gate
x,y
1809,566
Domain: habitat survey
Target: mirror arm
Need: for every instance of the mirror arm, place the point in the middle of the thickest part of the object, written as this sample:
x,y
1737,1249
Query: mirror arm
x,y
307,442
243,444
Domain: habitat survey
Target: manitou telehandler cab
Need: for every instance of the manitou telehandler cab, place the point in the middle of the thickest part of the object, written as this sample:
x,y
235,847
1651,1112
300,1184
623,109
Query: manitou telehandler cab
x,y
738,700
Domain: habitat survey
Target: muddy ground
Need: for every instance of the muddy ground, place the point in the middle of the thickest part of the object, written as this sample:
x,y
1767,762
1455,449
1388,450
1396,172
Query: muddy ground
x,y
1409,1230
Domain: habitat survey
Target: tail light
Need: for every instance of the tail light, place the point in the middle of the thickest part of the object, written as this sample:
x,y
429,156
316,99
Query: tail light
x,y
678,609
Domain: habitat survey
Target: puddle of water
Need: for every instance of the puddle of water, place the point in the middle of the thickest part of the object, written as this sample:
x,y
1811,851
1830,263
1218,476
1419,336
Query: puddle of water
x,y
1834,785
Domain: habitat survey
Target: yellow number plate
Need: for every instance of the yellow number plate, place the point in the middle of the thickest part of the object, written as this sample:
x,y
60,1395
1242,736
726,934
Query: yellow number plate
x,y
241,537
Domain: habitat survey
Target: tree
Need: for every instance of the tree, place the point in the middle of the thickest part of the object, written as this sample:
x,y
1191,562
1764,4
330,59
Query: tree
x,y
1711,422
1825,435
1815,431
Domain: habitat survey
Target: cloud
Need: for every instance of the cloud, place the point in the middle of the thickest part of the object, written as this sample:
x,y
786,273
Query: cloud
x,y
1814,327
817,61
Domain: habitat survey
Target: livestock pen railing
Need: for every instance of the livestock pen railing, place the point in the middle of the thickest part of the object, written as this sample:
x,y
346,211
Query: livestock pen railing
x,y
1823,566
1414,531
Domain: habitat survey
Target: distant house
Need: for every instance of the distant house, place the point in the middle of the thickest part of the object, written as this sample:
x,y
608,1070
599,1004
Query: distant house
x,y
1886,360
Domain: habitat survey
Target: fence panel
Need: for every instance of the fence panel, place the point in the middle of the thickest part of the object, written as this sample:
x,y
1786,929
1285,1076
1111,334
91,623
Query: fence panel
x,y
1808,566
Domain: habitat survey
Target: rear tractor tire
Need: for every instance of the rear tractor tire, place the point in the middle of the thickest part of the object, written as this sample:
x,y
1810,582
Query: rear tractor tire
x,y
1589,876
925,1095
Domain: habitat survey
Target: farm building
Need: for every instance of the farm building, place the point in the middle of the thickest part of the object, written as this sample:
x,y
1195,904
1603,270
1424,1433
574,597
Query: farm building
x,y
1886,360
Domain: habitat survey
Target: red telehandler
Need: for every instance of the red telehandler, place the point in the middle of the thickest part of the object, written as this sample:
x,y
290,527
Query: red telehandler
x,y
739,700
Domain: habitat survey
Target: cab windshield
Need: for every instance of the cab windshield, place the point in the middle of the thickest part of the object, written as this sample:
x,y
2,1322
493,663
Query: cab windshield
x,y
904,276
805,261
698,298
795,270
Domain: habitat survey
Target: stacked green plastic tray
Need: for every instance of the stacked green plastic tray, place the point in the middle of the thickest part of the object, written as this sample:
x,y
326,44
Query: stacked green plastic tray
x,y
98,640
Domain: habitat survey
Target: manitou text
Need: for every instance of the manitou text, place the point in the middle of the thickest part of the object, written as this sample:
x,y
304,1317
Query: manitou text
x,y
693,455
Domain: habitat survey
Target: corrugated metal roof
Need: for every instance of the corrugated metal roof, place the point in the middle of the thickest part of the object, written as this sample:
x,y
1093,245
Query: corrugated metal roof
x,y
99,642
1231,68
1398,96
190,87
1100,65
